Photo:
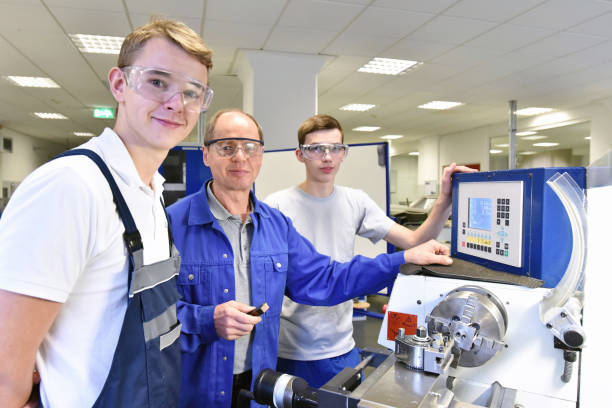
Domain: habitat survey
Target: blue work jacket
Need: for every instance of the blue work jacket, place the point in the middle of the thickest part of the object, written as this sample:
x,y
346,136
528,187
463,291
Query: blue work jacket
x,y
282,262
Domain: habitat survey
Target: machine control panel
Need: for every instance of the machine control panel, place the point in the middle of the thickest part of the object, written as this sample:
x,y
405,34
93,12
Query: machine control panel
x,y
490,223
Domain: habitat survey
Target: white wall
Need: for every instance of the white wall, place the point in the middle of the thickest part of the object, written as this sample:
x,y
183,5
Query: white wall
x,y
406,186
601,129
471,146
28,154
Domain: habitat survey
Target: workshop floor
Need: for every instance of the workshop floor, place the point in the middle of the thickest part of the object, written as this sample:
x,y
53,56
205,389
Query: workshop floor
x,y
365,332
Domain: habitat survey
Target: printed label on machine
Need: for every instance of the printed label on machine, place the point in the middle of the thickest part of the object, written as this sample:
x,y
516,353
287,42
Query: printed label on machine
x,y
398,320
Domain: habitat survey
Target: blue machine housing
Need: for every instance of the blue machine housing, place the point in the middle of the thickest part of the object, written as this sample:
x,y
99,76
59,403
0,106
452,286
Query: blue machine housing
x,y
547,235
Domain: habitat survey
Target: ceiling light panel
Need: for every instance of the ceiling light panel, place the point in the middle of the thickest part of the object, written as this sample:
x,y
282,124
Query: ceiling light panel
x,y
83,134
391,137
526,133
387,66
366,128
440,105
495,151
50,115
32,82
546,144
534,137
413,154
97,44
357,107
532,111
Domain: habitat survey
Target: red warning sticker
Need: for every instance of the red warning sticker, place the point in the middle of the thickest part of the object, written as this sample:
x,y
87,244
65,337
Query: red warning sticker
x,y
396,320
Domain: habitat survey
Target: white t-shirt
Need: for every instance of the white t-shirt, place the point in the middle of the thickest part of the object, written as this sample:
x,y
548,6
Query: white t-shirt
x,y
61,239
331,224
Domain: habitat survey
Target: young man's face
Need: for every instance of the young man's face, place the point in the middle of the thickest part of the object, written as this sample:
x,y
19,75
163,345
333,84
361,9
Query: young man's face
x,y
322,170
238,171
152,124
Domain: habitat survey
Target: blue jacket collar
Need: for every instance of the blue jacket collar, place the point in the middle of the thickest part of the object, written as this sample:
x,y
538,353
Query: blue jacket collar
x,y
199,210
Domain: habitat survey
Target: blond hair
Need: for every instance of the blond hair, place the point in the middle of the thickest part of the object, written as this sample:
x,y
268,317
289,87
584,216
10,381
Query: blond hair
x,y
176,31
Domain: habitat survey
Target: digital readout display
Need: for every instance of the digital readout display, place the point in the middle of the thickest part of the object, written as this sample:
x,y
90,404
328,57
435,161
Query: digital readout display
x,y
480,213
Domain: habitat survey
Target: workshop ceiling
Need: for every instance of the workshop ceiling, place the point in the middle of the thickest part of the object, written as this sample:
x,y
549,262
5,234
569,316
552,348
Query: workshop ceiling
x,y
550,53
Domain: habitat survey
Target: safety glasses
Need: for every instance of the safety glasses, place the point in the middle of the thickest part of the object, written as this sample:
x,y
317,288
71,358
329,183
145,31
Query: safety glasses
x,y
227,147
318,150
160,86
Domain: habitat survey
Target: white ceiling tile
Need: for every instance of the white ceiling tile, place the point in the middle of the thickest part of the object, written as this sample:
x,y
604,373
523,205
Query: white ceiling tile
x,y
319,15
465,57
561,14
483,9
561,44
509,37
245,11
429,6
451,30
239,35
600,26
171,9
139,19
294,39
27,19
416,50
359,45
108,5
345,63
379,21
80,21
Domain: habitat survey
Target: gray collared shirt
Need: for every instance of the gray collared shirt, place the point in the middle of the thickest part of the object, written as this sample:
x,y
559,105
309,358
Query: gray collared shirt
x,y
239,235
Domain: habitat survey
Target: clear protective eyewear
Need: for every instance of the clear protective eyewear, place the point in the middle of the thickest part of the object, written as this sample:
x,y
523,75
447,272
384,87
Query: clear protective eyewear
x,y
159,85
227,147
318,150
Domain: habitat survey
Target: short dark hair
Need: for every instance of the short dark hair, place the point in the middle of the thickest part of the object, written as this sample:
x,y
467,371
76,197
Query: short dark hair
x,y
210,126
318,122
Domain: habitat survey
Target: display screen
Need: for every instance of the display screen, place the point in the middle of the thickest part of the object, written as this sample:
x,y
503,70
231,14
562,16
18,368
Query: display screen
x,y
480,213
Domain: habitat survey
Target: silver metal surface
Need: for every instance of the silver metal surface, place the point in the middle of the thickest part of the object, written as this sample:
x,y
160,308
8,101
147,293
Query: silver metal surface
x,y
477,321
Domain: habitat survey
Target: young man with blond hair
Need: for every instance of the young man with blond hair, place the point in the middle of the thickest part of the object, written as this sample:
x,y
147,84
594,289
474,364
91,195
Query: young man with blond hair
x,y
316,342
87,266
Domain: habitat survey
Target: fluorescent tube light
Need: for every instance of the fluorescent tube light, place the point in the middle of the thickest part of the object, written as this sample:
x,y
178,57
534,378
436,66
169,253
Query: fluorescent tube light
x,y
413,154
534,137
526,133
502,145
357,107
83,134
532,111
391,137
495,151
387,66
97,44
32,82
527,153
366,128
50,115
546,144
440,105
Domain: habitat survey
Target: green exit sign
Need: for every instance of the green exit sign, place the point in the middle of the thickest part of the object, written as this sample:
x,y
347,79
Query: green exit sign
x,y
104,113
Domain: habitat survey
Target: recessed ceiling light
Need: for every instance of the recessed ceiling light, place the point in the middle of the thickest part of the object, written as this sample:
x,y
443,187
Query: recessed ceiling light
x,y
527,153
534,137
440,105
495,151
387,66
413,154
50,115
502,145
97,44
391,137
83,134
587,138
532,111
546,144
526,133
357,107
366,128
32,82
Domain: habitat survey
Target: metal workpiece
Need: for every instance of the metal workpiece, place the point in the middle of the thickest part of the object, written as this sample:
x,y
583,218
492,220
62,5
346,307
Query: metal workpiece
x,y
475,319
422,352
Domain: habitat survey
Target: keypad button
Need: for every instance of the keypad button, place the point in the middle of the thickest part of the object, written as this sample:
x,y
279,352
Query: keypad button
x,y
505,245
507,208
498,221
497,244
507,222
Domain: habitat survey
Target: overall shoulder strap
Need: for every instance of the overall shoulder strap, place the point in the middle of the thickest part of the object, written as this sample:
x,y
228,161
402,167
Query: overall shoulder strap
x,y
131,236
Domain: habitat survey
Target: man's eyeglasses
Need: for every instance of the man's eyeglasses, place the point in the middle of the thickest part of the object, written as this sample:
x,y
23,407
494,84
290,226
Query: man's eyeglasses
x,y
318,150
159,86
228,147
